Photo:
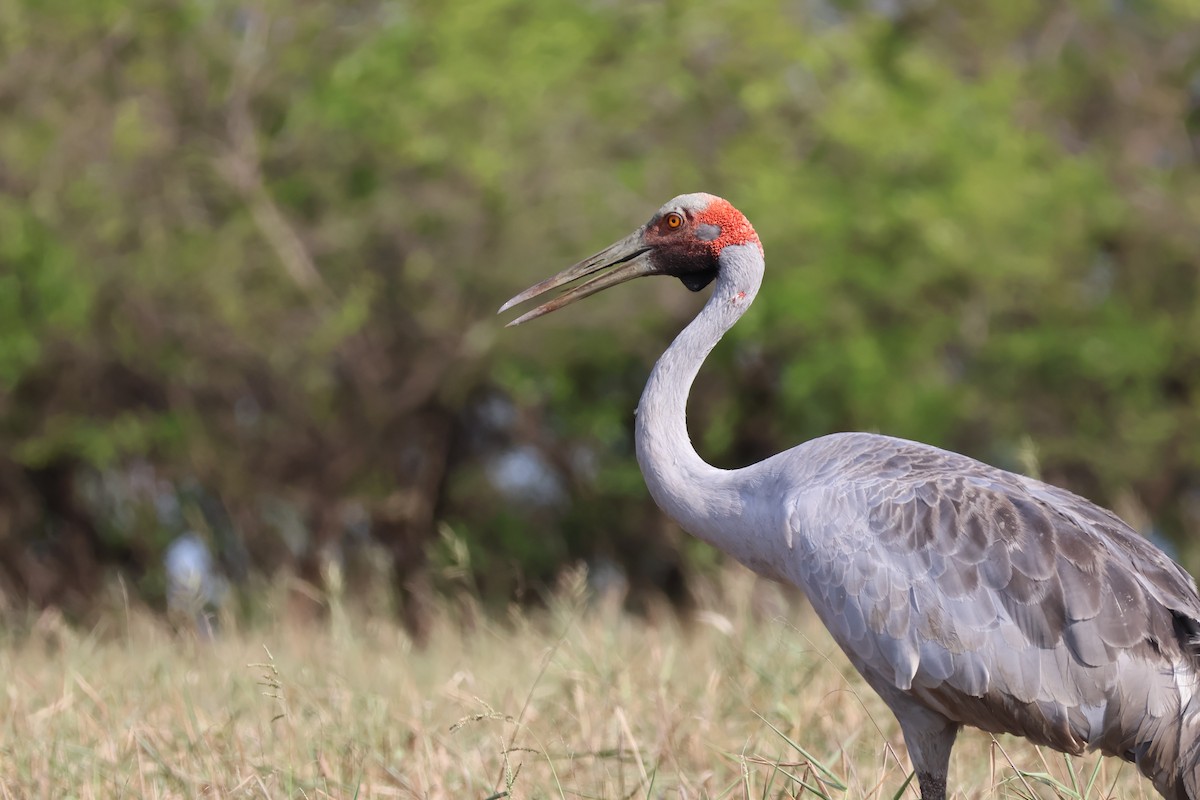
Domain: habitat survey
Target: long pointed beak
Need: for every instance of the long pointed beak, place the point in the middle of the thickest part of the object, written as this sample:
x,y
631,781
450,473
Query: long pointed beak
x,y
626,257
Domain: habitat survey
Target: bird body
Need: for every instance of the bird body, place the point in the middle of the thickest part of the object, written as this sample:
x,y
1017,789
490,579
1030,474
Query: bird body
x,y
964,594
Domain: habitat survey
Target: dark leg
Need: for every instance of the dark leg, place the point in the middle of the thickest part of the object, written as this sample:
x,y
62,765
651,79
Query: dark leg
x,y
929,741
933,787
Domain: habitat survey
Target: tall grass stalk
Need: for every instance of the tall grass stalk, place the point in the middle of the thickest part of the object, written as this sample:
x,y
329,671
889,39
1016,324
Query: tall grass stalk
x,y
747,698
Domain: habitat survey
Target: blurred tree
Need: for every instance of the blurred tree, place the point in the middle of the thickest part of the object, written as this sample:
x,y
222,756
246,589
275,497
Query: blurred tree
x,y
255,247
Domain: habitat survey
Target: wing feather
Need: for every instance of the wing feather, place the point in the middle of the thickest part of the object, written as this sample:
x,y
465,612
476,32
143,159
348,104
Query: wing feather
x,y
1000,601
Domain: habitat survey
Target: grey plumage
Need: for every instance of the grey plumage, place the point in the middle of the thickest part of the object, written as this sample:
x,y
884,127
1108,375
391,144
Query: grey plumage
x,y
1000,602
964,594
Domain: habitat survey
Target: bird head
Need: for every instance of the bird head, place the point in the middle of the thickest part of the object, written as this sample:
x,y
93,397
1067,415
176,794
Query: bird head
x,y
683,239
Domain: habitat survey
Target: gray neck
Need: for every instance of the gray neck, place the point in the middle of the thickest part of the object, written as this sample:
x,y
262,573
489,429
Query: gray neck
x,y
695,494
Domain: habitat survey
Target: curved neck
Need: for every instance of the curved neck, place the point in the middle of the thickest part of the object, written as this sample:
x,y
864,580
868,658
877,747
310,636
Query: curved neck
x,y
691,491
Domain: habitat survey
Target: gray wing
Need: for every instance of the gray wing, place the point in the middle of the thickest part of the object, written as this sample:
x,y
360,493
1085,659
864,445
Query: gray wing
x,y
999,601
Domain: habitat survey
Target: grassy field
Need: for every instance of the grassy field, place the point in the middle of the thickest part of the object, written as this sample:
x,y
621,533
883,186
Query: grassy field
x,y
749,700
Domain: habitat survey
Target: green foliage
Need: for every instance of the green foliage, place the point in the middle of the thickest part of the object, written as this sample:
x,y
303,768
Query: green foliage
x,y
98,444
259,249
40,293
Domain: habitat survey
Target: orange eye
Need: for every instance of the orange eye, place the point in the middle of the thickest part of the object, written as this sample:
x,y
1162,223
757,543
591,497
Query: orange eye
x,y
673,220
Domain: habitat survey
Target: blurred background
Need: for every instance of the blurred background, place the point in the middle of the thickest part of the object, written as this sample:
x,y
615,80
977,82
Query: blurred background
x,y
250,255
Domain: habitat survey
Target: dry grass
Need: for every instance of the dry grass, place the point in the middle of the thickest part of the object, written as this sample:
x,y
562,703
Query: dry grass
x,y
578,701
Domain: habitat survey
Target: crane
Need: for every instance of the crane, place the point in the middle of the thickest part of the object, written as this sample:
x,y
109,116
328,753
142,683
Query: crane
x,y
964,594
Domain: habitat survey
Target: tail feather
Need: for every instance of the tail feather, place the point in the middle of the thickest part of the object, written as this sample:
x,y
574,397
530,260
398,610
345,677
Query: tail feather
x,y
1188,775
1179,777
1188,762
1162,739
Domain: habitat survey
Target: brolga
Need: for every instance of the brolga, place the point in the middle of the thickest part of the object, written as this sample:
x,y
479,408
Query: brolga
x,y
964,594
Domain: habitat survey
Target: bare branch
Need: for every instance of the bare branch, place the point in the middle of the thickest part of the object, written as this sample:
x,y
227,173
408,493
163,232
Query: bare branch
x,y
241,165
